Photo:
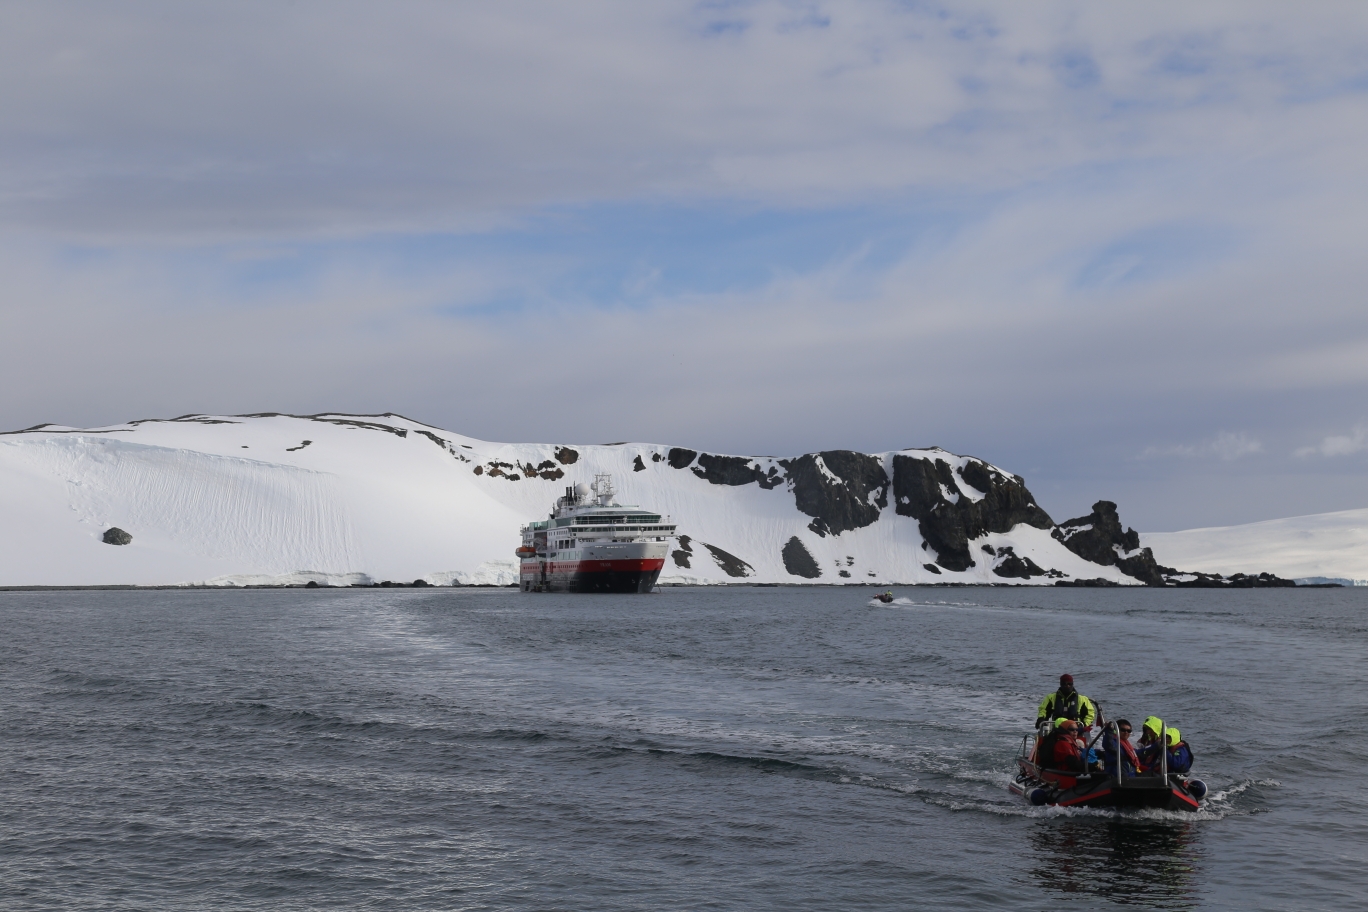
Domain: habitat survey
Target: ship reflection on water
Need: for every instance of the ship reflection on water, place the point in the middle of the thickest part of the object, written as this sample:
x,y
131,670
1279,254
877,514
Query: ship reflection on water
x,y
1121,859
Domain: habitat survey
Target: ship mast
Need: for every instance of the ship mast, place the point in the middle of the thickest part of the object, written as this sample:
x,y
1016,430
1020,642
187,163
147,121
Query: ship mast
x,y
603,489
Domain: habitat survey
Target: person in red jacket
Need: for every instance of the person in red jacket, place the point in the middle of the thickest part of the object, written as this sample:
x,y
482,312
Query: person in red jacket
x,y
1066,751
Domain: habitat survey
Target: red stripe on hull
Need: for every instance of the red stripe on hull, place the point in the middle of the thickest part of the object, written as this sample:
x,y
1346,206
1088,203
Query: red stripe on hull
x,y
644,565
623,575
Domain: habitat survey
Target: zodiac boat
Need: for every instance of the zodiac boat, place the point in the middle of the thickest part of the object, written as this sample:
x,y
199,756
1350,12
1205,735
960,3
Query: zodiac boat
x,y
1161,790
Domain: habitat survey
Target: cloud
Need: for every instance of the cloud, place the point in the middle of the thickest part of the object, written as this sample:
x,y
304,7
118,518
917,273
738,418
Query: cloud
x,y
1047,235
1343,445
1225,446
336,118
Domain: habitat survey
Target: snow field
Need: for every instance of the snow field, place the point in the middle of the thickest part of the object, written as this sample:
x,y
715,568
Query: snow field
x,y
1328,545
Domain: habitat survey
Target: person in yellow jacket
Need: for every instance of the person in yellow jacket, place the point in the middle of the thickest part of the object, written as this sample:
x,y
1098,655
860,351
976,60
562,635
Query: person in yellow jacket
x,y
1067,703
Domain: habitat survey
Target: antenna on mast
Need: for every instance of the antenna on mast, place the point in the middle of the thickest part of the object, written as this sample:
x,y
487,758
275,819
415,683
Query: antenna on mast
x,y
603,489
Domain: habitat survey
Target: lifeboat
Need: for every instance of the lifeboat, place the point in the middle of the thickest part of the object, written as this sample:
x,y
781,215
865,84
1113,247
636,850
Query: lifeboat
x,y
1160,789
525,551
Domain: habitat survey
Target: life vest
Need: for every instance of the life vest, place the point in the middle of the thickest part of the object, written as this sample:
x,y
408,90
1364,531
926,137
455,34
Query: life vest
x,y
1077,707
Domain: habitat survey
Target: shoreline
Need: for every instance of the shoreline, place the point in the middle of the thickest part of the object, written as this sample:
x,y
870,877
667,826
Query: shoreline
x,y
200,587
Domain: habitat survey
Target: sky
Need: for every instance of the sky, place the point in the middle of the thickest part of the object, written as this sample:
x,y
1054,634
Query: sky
x,y
1119,250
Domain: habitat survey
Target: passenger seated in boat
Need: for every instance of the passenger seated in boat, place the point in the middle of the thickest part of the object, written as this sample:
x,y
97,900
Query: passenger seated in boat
x,y
1179,754
1130,763
1150,742
1061,749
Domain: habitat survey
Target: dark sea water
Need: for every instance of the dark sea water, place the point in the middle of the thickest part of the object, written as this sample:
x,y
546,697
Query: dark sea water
x,y
695,749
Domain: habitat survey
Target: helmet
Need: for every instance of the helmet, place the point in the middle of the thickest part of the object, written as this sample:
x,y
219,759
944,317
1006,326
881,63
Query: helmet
x,y
1172,735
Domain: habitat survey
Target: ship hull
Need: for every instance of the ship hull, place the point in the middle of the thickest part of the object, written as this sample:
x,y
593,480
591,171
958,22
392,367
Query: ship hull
x,y
635,568
591,576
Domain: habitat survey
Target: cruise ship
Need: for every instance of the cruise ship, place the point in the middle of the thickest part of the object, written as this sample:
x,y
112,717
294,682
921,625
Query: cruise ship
x,y
591,543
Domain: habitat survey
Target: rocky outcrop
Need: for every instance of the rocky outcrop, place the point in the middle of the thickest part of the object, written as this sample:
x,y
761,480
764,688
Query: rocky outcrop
x,y
734,471
731,564
840,489
682,554
1235,581
679,458
1100,539
932,492
798,561
514,471
638,465
116,536
1013,566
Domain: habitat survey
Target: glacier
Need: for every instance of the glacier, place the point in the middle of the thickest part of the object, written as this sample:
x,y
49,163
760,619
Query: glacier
x,y
335,499
1320,548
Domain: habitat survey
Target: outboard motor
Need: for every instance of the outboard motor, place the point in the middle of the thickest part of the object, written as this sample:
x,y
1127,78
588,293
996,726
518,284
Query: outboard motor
x,y
1197,789
1040,796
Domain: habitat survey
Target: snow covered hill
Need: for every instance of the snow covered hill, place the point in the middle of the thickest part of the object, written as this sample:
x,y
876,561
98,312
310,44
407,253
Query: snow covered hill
x,y
341,499
1322,547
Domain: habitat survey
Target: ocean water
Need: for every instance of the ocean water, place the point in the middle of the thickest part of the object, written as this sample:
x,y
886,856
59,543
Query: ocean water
x,y
729,748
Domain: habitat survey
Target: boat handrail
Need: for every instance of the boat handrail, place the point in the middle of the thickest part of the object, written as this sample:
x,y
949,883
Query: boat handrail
x,y
1116,738
1163,751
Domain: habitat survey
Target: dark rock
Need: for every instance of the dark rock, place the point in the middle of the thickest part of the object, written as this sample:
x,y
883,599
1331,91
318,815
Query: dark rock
x,y
1098,583
421,584
345,422
116,536
735,470
932,567
679,458
730,563
845,573
311,584
567,456
1013,566
798,561
307,442
1236,581
681,556
853,501
1100,539
386,584
949,523
988,549
496,469
638,465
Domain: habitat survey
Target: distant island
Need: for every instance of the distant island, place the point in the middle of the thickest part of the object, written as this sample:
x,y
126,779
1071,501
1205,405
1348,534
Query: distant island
x,y
337,500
